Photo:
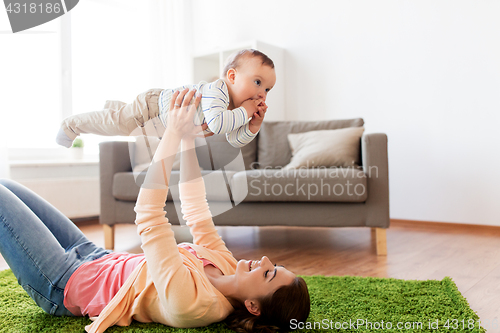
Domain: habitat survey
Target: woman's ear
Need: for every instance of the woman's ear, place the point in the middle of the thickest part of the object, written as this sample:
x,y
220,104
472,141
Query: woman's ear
x,y
231,75
252,307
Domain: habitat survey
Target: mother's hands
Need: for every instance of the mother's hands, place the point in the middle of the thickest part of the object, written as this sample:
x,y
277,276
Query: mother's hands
x,y
181,114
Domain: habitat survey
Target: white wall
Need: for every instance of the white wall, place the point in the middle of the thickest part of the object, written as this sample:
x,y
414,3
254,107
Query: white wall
x,y
427,73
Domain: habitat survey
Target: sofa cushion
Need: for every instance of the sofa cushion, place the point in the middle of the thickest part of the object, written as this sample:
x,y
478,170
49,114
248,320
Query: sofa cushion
x,y
126,187
314,185
326,148
274,150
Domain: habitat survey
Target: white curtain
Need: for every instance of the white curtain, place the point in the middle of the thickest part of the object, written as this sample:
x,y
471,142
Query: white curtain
x,y
173,37
131,46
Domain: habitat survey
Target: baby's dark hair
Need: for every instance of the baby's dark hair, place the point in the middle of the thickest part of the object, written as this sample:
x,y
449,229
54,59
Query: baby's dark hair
x,y
234,59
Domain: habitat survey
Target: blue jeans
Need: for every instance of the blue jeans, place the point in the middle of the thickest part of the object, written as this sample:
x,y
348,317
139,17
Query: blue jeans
x,y
41,246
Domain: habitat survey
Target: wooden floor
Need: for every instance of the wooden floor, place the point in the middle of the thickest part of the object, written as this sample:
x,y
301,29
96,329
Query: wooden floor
x,y
470,255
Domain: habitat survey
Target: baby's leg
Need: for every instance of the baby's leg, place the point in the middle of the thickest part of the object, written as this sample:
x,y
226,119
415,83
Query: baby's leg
x,y
117,118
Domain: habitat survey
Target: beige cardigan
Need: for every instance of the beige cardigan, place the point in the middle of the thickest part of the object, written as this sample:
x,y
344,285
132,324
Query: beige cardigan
x,y
170,287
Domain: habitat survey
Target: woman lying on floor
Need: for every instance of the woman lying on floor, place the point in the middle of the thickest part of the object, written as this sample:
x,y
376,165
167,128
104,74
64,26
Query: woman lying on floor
x,y
186,285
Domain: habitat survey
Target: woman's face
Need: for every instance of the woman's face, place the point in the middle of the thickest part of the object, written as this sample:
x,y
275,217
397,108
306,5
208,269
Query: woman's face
x,y
259,278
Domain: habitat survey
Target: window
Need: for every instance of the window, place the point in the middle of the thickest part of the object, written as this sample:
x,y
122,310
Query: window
x,y
111,48
101,50
30,85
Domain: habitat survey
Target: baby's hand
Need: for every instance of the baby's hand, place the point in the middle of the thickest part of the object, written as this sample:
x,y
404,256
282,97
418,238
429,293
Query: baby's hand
x,y
258,117
251,106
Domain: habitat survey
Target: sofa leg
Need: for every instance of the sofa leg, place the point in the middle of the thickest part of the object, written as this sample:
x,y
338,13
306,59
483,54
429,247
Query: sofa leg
x,y
380,241
109,236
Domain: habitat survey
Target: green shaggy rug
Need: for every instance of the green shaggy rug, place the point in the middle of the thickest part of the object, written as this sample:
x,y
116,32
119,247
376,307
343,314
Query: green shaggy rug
x,y
338,304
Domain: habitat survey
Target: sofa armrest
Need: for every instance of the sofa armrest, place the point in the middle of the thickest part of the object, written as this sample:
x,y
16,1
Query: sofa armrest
x,y
113,157
376,167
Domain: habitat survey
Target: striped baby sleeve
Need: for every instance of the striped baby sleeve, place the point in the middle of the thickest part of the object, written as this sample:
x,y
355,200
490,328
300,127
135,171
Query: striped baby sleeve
x,y
241,136
214,103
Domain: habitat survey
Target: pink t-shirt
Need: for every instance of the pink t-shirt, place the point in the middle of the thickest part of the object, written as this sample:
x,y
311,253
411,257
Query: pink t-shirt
x,y
92,286
190,249
95,283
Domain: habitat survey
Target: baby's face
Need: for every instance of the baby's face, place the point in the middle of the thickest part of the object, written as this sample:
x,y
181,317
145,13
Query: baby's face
x,y
252,80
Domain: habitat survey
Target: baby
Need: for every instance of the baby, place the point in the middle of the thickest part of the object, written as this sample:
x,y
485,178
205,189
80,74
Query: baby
x,y
234,105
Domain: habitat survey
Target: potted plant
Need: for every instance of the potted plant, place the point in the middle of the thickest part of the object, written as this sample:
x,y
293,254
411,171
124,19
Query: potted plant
x,y
77,149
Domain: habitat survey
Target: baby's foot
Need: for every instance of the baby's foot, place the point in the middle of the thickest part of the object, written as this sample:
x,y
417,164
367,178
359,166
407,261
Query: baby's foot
x,y
63,139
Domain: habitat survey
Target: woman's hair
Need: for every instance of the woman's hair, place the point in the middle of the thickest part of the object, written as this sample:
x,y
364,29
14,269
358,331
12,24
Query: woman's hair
x,y
276,310
234,59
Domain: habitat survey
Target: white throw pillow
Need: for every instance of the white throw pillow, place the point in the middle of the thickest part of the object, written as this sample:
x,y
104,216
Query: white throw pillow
x,y
326,148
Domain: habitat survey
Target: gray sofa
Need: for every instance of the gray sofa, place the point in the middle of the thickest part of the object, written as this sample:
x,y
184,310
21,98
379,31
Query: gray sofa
x,y
256,191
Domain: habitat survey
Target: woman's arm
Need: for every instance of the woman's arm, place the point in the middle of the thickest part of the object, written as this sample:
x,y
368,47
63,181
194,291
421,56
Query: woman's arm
x,y
190,169
159,171
153,193
176,285
158,174
193,200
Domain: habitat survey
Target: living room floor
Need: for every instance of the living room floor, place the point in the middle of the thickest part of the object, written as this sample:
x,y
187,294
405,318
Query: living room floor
x,y
470,255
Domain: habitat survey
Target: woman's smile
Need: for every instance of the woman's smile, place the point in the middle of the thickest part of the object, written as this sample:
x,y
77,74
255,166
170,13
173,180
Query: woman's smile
x,y
251,264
